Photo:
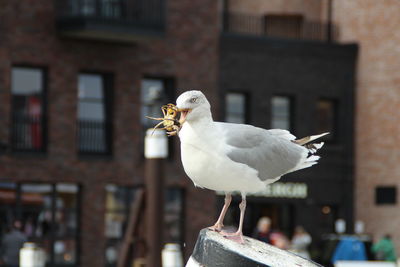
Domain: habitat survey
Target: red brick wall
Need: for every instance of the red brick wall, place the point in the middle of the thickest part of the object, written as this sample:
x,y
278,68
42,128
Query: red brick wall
x,y
188,53
374,25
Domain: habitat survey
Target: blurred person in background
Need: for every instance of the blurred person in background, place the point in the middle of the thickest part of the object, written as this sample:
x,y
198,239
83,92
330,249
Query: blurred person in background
x,y
263,230
383,250
300,242
11,244
264,233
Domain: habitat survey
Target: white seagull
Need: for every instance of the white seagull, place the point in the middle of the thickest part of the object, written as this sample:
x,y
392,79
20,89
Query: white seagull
x,y
232,157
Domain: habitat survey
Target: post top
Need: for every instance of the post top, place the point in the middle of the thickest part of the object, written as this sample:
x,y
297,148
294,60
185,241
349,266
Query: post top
x,y
212,249
155,144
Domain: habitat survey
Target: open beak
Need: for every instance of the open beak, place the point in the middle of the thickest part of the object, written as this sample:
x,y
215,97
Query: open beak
x,y
184,112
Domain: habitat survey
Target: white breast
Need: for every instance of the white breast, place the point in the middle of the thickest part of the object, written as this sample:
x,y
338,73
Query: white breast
x,y
207,165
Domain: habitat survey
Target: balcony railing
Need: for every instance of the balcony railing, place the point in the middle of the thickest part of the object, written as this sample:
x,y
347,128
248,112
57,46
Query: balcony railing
x,y
27,133
286,27
110,19
93,137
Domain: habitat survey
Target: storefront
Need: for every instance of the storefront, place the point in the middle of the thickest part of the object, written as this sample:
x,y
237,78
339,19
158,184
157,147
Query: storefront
x,y
51,217
292,202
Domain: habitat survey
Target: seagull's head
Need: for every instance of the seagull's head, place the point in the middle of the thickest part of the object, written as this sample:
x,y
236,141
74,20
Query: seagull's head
x,y
192,106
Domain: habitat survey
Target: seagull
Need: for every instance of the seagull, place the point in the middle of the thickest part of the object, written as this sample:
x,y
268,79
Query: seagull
x,y
233,157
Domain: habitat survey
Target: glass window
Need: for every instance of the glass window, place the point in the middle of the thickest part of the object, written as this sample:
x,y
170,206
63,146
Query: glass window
x,y
27,89
49,217
66,223
385,195
118,202
235,108
153,95
92,114
284,26
173,216
326,121
8,204
280,113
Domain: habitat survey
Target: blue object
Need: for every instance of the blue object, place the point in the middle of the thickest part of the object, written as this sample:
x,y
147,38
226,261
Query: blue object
x,y
350,249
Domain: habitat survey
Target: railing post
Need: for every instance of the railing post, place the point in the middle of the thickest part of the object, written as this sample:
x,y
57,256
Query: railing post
x,y
329,22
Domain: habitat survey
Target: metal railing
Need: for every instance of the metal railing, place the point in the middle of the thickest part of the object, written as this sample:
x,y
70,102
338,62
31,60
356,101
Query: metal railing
x,y
93,137
27,133
142,13
278,28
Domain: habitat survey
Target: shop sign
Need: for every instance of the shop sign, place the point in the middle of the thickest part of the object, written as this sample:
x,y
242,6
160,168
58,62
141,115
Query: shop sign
x,y
282,190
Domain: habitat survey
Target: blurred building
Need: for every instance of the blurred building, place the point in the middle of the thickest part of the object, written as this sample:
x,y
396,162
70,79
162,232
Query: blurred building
x,y
281,66
77,78
375,27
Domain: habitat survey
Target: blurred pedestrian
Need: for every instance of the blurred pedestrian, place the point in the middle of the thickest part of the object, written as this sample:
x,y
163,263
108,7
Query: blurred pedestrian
x,y
279,240
263,230
11,244
300,242
383,250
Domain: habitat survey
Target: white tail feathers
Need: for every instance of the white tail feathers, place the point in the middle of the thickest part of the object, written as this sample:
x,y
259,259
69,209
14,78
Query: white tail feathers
x,y
312,148
308,160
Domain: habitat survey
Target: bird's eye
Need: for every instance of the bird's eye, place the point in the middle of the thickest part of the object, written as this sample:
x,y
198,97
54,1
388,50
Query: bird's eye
x,y
193,100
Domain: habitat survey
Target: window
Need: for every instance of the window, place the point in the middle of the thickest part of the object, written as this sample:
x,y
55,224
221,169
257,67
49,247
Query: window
x,y
385,195
49,216
281,113
154,93
284,26
117,205
28,109
235,108
173,216
326,118
118,201
94,127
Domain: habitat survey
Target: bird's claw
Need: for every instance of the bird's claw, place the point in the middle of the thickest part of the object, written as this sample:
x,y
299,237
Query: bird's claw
x,y
216,227
237,237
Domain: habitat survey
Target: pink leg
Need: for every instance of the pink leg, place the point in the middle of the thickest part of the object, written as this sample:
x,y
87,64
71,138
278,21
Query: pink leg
x,y
219,224
238,235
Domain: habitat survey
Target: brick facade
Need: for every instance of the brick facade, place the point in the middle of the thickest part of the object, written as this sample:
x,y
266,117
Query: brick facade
x,y
375,27
187,53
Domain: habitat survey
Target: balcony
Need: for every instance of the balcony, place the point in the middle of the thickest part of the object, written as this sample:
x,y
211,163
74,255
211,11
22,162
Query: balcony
x,y
111,20
279,26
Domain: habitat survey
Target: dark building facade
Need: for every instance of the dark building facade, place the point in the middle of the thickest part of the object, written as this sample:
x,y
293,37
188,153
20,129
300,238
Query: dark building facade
x,y
307,88
77,78
73,76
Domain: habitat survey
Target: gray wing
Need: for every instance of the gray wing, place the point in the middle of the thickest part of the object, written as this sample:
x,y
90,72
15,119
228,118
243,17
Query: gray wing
x,y
270,152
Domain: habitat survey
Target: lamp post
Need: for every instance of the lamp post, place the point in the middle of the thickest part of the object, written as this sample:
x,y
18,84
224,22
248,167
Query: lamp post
x,y
156,151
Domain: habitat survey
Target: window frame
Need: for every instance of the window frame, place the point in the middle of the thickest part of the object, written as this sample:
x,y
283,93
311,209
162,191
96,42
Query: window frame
x,y
170,91
107,101
291,112
52,237
44,112
334,133
382,191
246,95
112,241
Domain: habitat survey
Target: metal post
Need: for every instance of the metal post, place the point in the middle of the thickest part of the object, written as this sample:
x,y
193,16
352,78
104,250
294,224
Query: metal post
x,y
156,150
329,31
